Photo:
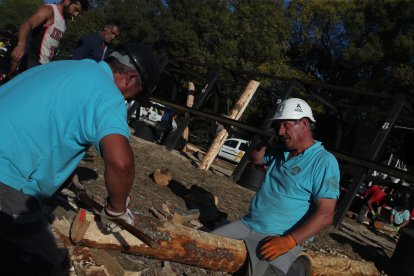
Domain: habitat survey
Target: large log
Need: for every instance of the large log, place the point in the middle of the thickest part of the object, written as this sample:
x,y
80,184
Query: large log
x,y
185,245
177,243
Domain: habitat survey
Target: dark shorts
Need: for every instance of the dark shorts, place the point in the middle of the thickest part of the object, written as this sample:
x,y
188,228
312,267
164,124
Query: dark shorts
x,y
23,226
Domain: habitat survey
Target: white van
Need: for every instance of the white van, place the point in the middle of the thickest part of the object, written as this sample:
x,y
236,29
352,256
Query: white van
x,y
233,149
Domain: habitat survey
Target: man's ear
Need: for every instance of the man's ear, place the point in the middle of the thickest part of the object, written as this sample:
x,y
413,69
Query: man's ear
x,y
121,81
306,123
129,77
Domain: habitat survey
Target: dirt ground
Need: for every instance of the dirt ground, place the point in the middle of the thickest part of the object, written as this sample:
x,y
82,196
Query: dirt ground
x,y
351,240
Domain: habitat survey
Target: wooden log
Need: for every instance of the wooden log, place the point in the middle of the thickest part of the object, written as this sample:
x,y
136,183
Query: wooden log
x,y
338,265
183,218
189,103
185,245
190,96
79,226
162,176
235,114
177,243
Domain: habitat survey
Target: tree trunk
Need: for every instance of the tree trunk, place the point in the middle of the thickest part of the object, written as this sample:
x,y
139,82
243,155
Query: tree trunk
x,y
235,114
177,243
185,245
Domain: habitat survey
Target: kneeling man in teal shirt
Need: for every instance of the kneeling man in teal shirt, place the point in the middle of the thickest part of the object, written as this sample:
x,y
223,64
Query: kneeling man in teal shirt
x,y
297,198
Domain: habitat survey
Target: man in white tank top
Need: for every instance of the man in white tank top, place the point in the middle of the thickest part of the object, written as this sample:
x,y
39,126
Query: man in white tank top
x,y
44,30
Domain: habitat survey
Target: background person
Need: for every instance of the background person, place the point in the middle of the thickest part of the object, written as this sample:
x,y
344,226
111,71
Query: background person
x,y
297,199
50,122
40,35
375,198
95,46
400,214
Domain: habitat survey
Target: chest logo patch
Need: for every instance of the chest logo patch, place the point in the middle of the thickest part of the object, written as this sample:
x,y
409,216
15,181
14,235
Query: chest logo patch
x,y
294,170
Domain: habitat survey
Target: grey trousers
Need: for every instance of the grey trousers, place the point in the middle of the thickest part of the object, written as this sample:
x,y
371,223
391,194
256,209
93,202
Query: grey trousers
x,y
257,267
24,228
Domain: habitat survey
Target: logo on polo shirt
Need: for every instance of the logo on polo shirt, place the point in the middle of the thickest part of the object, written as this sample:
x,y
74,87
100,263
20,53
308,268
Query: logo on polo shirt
x,y
294,170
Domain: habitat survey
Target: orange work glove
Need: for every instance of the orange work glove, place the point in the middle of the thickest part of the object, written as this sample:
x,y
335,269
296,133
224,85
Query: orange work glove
x,y
273,247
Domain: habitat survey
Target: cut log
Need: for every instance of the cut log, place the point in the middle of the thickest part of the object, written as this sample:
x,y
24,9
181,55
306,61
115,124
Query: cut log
x,y
235,114
183,218
79,226
162,176
337,265
177,243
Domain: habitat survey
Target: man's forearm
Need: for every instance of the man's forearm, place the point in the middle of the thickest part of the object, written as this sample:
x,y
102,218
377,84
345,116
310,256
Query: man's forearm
x,y
322,217
404,223
312,226
25,30
119,184
257,153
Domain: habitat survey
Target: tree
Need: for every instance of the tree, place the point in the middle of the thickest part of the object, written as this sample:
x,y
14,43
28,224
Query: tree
x,y
361,44
15,12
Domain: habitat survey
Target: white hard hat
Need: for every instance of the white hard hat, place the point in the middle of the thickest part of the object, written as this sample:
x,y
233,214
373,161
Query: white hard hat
x,y
293,109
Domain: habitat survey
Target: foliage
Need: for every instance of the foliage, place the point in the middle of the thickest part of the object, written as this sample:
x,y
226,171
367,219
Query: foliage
x,y
367,45
15,12
362,44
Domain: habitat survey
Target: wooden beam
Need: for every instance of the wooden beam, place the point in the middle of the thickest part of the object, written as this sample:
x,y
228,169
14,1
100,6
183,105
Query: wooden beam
x,y
235,114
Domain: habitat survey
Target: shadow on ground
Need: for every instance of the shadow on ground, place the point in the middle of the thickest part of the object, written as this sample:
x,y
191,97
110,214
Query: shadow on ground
x,y
199,198
370,253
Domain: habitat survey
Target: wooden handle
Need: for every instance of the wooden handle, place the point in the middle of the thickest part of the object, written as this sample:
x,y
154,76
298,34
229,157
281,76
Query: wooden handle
x,y
85,198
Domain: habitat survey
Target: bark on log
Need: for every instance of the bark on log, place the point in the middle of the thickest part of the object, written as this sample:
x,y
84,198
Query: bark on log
x,y
235,114
177,243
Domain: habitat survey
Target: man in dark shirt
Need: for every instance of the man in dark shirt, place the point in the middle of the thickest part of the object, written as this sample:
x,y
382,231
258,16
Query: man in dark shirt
x,y
95,46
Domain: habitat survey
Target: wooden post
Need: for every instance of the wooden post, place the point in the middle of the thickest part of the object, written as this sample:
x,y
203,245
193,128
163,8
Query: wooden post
x,y
235,114
190,103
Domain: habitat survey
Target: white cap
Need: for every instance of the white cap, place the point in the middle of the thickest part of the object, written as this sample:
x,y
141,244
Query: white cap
x,y
293,109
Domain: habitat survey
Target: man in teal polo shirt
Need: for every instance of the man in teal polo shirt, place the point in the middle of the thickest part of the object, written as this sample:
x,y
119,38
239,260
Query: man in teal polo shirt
x,y
297,199
51,114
